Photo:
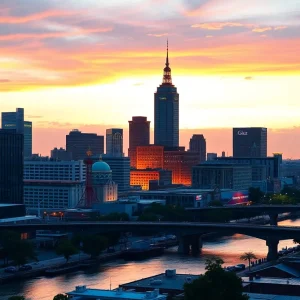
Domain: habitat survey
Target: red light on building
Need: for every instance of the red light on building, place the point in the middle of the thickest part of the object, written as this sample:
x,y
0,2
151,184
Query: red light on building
x,y
142,178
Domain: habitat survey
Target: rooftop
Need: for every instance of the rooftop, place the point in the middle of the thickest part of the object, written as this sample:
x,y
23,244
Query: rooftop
x,y
162,281
85,293
253,296
278,281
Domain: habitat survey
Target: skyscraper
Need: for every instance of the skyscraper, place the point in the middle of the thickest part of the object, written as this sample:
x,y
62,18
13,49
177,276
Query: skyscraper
x,y
250,142
114,142
139,135
11,167
198,145
79,143
15,120
139,132
166,111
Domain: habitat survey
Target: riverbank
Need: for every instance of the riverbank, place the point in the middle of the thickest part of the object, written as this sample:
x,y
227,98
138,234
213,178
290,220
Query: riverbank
x,y
58,265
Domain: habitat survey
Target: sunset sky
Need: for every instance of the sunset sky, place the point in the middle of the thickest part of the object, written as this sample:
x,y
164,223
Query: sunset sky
x,y
93,64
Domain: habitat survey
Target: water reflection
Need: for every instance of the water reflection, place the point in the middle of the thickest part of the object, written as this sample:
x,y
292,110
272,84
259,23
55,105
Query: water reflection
x,y
112,274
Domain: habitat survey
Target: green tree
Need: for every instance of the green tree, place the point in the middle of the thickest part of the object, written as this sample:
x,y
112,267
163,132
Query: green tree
x,y
94,245
21,251
215,284
16,298
255,195
67,249
248,256
7,240
61,297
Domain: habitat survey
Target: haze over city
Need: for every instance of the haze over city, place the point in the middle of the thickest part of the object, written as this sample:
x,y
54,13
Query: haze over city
x,y
92,66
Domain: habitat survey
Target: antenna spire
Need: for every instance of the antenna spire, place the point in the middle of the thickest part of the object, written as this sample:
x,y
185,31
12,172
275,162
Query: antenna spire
x,y
167,79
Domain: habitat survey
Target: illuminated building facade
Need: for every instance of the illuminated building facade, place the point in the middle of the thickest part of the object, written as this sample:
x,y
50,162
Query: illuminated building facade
x,y
174,159
142,178
139,135
166,111
180,162
150,157
106,190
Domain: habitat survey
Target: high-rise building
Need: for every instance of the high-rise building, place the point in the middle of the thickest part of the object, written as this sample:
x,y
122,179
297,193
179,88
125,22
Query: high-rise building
x,y
11,167
198,145
114,142
79,143
15,120
139,135
166,111
250,142
139,132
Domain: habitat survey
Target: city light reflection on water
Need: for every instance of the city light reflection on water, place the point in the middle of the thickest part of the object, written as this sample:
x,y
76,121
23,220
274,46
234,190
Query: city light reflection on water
x,y
114,273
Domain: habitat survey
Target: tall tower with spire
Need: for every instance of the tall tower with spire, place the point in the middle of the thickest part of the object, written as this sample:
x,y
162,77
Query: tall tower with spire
x,y
166,110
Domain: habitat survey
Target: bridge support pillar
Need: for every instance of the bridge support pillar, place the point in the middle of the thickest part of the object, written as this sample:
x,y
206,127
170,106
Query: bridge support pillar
x,y
196,244
184,245
273,249
273,219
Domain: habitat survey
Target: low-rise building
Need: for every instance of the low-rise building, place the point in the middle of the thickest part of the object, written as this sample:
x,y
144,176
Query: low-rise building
x,y
83,293
53,185
143,177
223,176
169,283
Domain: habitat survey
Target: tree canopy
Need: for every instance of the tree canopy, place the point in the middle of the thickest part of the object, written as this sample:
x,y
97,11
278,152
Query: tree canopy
x,y
215,284
67,249
94,244
61,297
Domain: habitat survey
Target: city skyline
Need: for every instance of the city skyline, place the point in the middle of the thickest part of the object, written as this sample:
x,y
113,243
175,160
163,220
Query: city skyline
x,y
242,59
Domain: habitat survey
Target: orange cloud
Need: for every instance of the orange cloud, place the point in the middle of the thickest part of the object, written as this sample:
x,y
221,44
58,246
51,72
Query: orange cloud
x,y
262,29
35,17
157,34
280,27
219,25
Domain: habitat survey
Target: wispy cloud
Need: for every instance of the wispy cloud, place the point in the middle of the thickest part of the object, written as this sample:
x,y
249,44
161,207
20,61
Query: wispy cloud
x,y
157,34
220,25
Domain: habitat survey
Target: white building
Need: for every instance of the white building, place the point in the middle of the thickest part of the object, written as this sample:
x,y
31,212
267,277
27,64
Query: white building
x,y
106,190
82,293
53,185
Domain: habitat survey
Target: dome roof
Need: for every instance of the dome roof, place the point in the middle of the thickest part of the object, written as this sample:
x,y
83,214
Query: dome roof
x,y
100,166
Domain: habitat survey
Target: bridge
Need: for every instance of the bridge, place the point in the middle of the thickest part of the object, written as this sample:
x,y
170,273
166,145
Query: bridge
x,y
188,233
271,210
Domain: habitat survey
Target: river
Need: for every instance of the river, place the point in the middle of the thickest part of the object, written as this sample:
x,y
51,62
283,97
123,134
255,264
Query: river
x,y
112,274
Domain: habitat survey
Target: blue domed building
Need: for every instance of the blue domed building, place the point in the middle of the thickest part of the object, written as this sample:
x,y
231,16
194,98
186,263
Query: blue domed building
x,y
106,190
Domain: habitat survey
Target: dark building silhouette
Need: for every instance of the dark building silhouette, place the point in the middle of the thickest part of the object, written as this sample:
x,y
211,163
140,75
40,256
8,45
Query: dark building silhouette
x,y
114,142
250,142
79,143
166,111
60,154
198,145
15,121
11,166
139,135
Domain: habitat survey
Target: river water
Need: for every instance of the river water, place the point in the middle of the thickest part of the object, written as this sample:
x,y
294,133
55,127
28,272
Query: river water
x,y
229,248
